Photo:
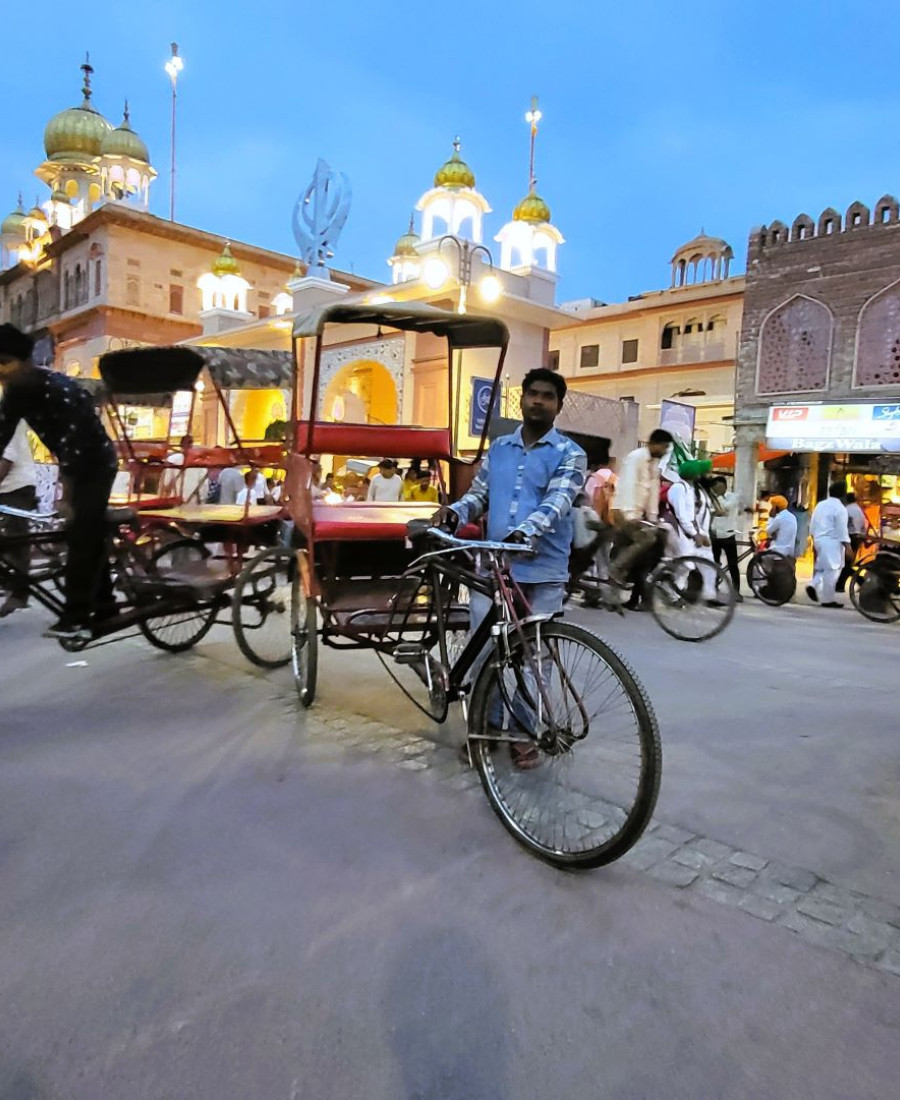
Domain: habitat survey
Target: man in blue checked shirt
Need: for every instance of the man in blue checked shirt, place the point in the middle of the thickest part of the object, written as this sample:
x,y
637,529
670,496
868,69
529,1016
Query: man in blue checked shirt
x,y
527,484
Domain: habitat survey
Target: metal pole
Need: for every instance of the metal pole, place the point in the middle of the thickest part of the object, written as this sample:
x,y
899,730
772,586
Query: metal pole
x,y
172,186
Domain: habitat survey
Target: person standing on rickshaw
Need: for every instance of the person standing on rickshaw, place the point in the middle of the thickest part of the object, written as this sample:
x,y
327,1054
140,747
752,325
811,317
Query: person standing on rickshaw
x,y
61,414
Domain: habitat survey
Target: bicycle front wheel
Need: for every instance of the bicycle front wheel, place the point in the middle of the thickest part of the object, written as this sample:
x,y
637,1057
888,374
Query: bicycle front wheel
x,y
178,631
875,592
691,598
598,757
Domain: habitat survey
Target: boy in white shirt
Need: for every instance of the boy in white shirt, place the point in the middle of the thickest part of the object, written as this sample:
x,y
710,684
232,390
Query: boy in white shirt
x,y
386,485
18,489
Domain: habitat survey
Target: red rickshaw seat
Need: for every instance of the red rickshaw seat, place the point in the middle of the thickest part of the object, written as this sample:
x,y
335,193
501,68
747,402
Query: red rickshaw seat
x,y
379,440
353,521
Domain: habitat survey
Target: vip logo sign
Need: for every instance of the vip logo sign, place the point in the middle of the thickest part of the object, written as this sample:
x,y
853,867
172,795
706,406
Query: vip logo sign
x,y
790,412
886,412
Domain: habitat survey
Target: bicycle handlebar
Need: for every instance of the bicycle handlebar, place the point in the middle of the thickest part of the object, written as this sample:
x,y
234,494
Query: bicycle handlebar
x,y
479,544
22,513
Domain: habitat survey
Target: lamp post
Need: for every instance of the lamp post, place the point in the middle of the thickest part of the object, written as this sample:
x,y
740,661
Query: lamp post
x,y
436,271
173,67
490,289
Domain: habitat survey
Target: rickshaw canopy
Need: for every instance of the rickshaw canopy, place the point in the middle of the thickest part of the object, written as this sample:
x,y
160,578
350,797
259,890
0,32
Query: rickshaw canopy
x,y
137,371
152,371
462,330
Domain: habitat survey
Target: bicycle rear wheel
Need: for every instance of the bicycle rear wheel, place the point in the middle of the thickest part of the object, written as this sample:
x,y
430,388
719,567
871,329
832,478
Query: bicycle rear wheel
x,y
771,577
261,608
599,758
691,598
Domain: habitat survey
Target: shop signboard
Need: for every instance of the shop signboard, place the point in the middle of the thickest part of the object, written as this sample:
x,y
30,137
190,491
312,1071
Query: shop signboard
x,y
855,427
678,418
480,408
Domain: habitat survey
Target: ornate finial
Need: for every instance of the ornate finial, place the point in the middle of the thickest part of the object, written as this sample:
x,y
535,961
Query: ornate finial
x,y
87,69
412,224
457,144
319,216
21,207
126,117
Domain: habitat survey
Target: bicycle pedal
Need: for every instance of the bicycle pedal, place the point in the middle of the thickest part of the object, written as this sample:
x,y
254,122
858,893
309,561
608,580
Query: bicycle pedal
x,y
408,653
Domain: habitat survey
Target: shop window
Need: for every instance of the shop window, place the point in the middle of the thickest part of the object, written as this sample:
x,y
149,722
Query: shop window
x,y
629,351
590,356
553,360
176,299
795,347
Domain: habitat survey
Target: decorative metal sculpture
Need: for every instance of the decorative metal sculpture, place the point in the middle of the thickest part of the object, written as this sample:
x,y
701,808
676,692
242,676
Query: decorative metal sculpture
x,y
319,217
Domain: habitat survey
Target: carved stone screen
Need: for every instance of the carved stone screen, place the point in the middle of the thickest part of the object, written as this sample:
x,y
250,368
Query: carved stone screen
x,y
878,341
794,348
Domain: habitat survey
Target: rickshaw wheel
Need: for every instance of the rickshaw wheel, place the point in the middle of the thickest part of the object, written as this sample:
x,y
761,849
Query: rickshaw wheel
x,y
875,592
180,630
304,642
261,608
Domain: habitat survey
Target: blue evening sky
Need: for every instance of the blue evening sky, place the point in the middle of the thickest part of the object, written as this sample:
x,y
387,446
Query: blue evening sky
x,y
659,118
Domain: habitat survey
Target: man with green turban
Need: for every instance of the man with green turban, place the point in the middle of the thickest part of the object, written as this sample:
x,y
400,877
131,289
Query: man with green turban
x,y
689,512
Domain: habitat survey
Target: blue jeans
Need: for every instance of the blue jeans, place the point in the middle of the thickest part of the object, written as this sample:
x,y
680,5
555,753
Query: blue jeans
x,y
544,598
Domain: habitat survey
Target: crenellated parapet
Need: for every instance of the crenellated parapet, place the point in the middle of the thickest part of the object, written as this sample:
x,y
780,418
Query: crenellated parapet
x,y
830,222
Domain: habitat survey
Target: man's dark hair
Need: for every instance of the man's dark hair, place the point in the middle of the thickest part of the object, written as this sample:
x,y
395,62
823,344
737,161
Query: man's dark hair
x,y
16,344
718,480
851,498
660,435
544,374
836,489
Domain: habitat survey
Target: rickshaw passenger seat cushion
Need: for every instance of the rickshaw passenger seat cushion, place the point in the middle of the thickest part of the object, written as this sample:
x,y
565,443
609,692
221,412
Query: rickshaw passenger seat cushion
x,y
365,522
387,440
118,517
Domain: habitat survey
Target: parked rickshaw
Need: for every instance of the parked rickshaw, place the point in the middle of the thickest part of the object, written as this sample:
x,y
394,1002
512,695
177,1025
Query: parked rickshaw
x,y
535,691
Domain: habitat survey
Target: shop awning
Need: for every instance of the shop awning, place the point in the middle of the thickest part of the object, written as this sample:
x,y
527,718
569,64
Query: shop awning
x,y
725,461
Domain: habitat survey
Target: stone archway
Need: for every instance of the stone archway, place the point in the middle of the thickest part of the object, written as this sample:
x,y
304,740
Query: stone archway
x,y
362,391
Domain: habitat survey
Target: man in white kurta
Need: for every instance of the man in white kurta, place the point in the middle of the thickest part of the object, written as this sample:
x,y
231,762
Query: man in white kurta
x,y
831,538
689,525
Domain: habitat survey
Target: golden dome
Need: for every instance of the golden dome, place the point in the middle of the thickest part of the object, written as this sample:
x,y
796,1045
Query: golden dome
x,y
406,245
13,224
532,209
124,142
454,172
226,264
77,132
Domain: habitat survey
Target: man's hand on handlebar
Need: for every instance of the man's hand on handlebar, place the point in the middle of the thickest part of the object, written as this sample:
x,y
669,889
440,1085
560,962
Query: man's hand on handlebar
x,y
446,519
517,537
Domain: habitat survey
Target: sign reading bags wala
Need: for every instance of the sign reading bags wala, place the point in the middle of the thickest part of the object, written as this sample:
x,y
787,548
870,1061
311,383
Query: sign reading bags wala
x,y
854,427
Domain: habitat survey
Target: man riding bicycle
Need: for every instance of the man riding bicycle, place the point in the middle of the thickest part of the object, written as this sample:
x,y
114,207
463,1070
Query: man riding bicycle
x,y
62,416
636,512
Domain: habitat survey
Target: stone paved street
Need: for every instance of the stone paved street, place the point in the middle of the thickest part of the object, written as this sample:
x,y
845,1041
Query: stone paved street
x,y
205,892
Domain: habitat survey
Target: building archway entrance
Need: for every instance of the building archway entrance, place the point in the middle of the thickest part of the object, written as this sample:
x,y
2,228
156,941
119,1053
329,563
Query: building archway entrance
x,y
361,392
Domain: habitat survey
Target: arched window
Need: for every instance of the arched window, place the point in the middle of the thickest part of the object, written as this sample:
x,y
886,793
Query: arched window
x,y
67,290
878,340
669,333
716,323
693,327
857,216
80,288
795,347
886,210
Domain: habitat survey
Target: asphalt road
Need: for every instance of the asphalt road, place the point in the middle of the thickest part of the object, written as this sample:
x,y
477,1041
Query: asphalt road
x,y
205,893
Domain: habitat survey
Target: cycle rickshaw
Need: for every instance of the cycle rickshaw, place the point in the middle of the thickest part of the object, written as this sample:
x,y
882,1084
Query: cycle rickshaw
x,y
169,584
379,577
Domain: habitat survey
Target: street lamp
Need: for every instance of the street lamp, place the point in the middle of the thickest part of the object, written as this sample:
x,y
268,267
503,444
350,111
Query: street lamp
x,y
436,271
173,67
